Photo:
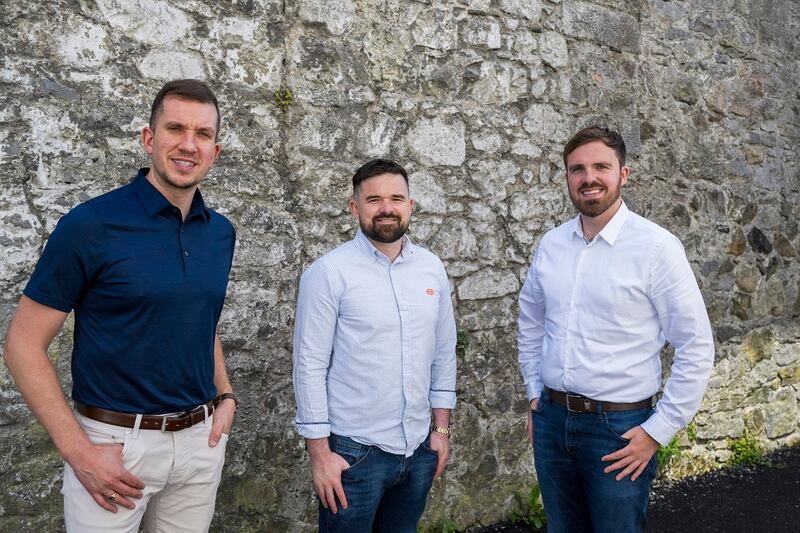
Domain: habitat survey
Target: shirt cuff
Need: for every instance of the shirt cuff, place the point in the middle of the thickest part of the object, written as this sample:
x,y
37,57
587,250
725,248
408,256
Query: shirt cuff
x,y
442,399
314,431
659,428
534,390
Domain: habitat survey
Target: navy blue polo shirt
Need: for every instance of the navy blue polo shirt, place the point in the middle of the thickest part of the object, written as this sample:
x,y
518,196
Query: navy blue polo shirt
x,y
147,289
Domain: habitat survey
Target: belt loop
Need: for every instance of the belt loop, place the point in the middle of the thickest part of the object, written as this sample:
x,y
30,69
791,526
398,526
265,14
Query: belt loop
x,y
136,424
205,412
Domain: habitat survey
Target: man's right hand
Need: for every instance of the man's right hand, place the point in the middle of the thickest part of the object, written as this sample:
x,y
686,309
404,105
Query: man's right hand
x,y
100,471
533,405
326,473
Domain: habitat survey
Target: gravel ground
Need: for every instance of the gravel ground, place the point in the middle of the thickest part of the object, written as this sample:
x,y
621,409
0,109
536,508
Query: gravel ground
x,y
762,499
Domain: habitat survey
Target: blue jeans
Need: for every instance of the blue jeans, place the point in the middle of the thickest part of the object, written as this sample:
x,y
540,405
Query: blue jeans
x,y
577,495
385,493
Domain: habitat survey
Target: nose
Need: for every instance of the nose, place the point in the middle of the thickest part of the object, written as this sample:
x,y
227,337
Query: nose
x,y
188,142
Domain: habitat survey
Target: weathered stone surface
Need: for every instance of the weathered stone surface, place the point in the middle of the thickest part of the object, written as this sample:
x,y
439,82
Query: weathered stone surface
x,y
605,26
437,142
782,414
476,99
488,284
336,15
759,241
759,345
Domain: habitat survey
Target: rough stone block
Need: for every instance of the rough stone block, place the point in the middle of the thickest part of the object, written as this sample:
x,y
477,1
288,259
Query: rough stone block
x,y
602,25
488,284
438,142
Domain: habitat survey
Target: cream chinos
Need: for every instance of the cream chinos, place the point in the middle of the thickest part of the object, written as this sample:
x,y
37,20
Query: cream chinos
x,y
178,468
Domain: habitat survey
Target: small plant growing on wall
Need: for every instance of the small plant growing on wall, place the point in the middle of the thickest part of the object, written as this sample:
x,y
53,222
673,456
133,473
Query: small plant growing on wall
x,y
283,99
746,451
666,454
530,510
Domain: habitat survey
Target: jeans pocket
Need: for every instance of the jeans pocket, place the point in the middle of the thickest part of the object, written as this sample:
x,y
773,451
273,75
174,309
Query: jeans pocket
x,y
352,452
541,404
426,446
620,422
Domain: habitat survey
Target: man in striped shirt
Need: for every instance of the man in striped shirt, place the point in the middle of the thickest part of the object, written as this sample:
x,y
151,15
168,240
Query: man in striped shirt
x,y
374,356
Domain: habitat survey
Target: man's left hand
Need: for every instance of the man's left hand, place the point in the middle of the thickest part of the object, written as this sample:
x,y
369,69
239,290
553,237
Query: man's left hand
x,y
441,445
223,420
634,457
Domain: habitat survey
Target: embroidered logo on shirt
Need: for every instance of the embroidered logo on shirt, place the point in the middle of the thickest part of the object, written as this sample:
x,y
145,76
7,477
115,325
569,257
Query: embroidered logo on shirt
x,y
429,292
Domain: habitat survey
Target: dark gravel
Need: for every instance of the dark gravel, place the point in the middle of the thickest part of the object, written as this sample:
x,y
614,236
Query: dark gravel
x,y
761,499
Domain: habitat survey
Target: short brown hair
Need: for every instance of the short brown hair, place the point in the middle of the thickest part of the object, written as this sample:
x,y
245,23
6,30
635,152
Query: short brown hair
x,y
376,167
188,89
610,138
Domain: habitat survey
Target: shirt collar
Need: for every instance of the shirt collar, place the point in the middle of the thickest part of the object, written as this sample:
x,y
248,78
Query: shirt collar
x,y
154,202
610,232
364,244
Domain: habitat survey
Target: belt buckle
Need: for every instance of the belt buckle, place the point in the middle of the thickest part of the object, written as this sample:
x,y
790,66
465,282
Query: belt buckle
x,y
176,418
587,403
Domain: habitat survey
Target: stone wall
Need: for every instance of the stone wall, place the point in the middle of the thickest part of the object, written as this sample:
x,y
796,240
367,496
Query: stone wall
x,y
476,98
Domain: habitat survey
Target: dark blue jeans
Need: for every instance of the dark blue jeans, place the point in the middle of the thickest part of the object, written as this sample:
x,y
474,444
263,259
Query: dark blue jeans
x,y
577,495
385,493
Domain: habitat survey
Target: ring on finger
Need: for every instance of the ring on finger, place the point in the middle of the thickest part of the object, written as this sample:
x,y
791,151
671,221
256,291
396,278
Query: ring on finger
x,y
112,497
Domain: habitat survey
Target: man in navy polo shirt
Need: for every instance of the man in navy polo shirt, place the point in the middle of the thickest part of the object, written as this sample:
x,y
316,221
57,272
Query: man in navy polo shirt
x,y
145,268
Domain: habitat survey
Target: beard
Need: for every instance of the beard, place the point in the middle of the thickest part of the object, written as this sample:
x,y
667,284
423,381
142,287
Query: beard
x,y
593,207
385,233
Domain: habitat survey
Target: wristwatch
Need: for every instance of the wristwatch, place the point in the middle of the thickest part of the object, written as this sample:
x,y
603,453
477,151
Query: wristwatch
x,y
222,397
444,430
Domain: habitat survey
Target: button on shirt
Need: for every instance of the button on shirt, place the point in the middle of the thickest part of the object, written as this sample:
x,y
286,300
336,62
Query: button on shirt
x,y
147,288
374,346
594,317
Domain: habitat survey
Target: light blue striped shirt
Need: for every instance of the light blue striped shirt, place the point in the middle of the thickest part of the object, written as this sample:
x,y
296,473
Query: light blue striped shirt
x,y
374,346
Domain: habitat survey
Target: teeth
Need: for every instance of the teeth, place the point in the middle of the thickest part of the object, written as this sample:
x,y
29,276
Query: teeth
x,y
182,163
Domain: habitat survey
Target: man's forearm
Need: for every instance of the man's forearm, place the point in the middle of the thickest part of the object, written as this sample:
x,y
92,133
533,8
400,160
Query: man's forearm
x,y
27,340
220,372
441,417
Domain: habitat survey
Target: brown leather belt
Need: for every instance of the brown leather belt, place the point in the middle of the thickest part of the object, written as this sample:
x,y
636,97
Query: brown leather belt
x,y
580,404
161,422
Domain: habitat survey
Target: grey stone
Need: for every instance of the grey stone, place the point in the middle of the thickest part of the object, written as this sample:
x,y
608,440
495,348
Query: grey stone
x,y
476,99
528,9
336,15
488,284
605,26
437,142
759,241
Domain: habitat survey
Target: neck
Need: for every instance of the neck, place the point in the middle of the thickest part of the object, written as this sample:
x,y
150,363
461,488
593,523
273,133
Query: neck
x,y
389,249
180,198
591,226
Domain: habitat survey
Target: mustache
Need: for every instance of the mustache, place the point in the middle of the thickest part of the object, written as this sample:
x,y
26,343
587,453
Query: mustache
x,y
591,185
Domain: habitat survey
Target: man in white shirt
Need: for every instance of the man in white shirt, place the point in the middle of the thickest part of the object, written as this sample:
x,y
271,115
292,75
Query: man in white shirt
x,y
374,355
603,293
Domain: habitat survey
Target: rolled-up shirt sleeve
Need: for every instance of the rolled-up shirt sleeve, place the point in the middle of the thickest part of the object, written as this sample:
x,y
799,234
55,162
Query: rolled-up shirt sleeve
x,y
531,330
314,328
685,324
443,368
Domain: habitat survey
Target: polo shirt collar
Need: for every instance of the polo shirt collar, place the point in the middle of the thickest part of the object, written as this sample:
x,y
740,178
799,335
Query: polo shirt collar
x,y
611,230
154,202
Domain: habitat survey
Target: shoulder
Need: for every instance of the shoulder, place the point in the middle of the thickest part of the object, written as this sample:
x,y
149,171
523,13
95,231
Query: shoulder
x,y
642,228
221,221
332,261
555,238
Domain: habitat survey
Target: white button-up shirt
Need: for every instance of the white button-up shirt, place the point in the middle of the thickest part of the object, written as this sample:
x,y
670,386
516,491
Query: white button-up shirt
x,y
374,346
594,317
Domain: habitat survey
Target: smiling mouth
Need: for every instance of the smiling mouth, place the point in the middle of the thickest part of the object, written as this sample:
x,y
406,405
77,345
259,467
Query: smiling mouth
x,y
591,192
184,164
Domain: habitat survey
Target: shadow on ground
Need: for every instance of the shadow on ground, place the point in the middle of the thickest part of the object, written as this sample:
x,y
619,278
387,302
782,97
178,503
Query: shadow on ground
x,y
761,499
